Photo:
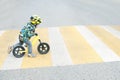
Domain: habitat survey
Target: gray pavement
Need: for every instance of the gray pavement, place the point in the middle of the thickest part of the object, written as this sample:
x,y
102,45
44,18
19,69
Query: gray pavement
x,y
98,71
15,13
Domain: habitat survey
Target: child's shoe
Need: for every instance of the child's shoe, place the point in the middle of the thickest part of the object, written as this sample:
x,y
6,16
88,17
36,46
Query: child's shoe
x,y
31,55
10,48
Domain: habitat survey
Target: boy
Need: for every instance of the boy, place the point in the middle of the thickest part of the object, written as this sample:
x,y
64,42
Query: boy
x,y
26,33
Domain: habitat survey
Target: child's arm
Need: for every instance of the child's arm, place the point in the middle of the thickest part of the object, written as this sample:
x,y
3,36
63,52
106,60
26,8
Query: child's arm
x,y
30,34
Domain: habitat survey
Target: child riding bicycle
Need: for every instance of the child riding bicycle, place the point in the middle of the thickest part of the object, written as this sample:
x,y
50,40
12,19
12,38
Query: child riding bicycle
x,y
26,33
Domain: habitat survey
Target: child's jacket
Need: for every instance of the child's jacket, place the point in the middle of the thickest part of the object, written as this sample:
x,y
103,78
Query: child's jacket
x,y
27,32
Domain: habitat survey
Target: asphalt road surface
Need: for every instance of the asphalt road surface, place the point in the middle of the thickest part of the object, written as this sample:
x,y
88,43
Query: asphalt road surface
x,y
14,14
102,71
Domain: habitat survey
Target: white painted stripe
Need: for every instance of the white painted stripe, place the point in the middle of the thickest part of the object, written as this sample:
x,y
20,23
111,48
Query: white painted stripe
x,y
11,62
60,55
1,32
103,51
112,31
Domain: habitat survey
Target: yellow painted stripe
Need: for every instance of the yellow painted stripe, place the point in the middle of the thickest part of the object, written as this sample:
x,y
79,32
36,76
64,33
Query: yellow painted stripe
x,y
116,27
6,39
80,51
39,60
112,42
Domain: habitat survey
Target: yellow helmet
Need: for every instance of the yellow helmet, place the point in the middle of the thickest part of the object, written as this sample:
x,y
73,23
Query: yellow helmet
x,y
35,20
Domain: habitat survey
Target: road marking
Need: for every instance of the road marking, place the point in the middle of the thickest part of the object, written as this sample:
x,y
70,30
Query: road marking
x,y
6,40
69,45
105,53
79,50
12,63
1,32
116,28
112,31
60,55
40,60
110,40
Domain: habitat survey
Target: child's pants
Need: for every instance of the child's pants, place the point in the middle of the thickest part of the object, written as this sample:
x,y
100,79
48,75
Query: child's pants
x,y
29,45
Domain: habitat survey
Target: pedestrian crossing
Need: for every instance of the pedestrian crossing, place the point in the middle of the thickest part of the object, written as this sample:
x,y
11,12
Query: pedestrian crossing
x,y
60,55
69,45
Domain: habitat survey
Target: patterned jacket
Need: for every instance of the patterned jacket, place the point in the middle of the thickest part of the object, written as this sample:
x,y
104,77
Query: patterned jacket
x,y
27,32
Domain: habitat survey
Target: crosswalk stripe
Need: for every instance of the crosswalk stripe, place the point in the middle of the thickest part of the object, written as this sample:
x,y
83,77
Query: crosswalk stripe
x,y
102,49
39,60
1,32
116,28
112,31
11,62
111,41
79,50
5,40
60,55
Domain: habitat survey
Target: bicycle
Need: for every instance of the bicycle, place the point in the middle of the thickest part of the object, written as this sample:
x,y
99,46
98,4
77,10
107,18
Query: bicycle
x,y
20,50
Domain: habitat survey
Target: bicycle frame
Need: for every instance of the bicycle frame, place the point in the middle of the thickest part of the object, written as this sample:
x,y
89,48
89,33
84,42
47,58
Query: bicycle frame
x,y
35,39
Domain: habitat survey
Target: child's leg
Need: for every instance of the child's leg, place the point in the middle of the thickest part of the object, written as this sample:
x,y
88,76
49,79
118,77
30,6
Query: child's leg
x,y
30,54
29,46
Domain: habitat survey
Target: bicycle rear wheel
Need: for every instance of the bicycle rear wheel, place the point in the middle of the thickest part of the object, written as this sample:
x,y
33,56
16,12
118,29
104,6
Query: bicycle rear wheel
x,y
19,51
